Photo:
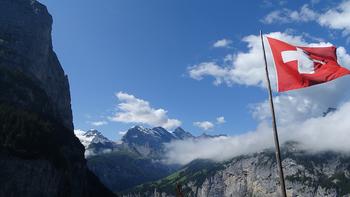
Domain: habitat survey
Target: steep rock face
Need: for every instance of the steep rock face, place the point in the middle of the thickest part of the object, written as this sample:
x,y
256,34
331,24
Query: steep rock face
x,y
25,42
147,142
182,134
39,154
307,175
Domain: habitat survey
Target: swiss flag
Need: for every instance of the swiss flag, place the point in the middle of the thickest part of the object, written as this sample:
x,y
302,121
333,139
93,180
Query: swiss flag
x,y
300,67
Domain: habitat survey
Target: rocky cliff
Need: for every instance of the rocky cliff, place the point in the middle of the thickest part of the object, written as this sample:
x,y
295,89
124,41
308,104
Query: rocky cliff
x,y
307,175
25,41
39,154
148,142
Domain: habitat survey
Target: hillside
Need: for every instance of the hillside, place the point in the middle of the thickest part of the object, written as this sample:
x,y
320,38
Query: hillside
x,y
307,175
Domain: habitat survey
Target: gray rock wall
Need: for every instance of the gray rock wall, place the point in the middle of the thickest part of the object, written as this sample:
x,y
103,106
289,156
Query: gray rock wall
x,y
25,44
39,153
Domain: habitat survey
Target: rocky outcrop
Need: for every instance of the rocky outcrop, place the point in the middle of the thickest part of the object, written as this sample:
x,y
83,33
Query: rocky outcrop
x,y
39,154
147,142
25,45
182,134
306,174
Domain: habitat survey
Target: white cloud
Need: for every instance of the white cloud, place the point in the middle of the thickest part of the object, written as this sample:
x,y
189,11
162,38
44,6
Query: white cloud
x,y
220,120
334,18
221,74
305,14
122,132
298,112
330,133
296,106
205,125
337,18
223,43
99,123
343,57
274,16
247,68
135,110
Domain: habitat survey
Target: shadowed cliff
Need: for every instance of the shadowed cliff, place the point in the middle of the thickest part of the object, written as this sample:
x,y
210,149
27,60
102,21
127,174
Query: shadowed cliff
x,y
39,154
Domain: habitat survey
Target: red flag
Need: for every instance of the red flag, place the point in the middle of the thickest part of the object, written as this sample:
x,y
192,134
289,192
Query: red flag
x,y
300,67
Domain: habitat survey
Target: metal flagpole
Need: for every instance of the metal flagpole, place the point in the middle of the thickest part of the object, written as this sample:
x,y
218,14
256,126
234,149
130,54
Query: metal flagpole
x,y
275,134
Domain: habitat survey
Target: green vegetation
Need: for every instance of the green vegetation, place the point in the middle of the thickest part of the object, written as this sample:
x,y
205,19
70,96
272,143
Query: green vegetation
x,y
121,170
197,172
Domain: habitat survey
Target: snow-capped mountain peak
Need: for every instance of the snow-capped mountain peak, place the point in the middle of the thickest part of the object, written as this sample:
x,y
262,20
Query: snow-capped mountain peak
x,y
148,142
96,137
181,134
91,137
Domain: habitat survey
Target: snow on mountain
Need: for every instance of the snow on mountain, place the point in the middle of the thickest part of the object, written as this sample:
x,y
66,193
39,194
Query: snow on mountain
x,y
182,134
146,142
94,142
91,137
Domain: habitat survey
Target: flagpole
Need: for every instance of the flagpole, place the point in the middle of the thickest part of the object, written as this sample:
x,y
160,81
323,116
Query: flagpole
x,y
274,125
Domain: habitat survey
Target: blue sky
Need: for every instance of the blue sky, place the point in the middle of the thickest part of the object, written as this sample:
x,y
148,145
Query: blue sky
x,y
146,48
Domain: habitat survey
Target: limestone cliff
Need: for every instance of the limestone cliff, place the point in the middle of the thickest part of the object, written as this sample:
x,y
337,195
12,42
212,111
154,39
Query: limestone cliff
x,y
39,154
25,41
306,174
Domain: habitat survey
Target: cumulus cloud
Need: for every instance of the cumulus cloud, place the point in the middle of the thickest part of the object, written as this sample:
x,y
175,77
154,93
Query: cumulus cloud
x,y
205,125
99,123
337,18
223,43
134,110
330,133
220,73
244,68
334,18
296,106
305,14
122,132
220,120
299,112
247,68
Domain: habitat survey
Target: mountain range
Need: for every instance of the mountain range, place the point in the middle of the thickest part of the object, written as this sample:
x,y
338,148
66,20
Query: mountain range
x,y
145,142
134,168
135,159
306,174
